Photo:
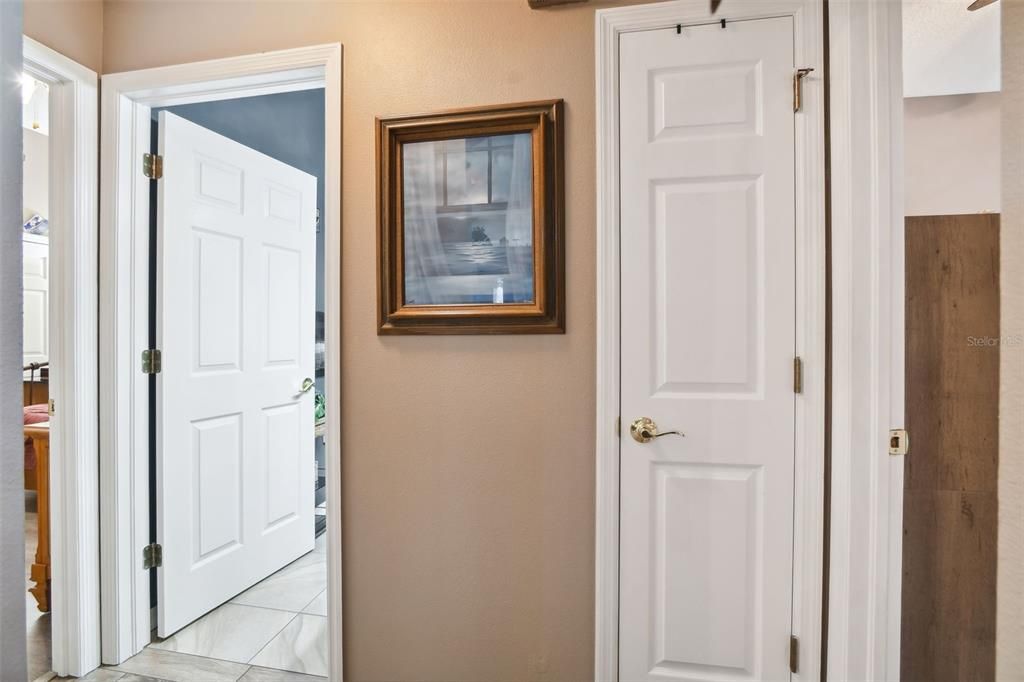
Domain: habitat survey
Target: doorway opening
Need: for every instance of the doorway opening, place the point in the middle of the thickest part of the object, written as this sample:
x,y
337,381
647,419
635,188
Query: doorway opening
x,y
225,546
36,368
266,507
59,237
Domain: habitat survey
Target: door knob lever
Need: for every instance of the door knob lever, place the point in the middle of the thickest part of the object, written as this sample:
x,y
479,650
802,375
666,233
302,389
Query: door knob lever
x,y
644,430
307,384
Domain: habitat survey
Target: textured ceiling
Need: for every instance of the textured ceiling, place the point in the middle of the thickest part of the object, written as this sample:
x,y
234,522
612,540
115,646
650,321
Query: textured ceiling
x,y
948,50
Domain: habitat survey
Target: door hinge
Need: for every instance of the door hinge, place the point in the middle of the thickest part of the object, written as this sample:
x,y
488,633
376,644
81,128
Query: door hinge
x,y
798,78
153,166
152,556
51,411
152,361
618,426
798,375
899,442
794,654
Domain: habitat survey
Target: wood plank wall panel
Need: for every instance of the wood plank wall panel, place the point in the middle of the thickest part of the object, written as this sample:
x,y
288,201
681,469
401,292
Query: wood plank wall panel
x,y
952,410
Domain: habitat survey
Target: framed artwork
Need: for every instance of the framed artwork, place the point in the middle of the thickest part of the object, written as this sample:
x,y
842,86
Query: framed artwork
x,y
471,229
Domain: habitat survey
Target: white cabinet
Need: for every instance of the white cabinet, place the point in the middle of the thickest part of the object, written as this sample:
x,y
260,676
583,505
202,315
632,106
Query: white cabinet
x,y
36,271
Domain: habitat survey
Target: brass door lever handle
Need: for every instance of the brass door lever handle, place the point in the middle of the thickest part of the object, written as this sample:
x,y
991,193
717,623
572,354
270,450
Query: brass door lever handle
x,y
644,430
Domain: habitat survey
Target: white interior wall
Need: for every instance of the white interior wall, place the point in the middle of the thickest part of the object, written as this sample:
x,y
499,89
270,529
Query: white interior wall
x,y
35,151
951,154
948,50
12,496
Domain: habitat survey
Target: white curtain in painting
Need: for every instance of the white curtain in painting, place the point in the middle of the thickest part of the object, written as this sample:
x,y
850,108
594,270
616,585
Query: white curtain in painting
x,y
519,217
424,253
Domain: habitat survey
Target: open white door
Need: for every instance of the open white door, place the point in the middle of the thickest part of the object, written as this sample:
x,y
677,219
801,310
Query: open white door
x,y
707,348
235,325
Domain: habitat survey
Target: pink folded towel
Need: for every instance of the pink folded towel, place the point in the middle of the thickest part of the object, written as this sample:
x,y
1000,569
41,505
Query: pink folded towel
x,y
33,414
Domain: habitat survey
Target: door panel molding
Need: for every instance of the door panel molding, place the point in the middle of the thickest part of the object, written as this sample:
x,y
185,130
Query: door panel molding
x,y
127,99
810,333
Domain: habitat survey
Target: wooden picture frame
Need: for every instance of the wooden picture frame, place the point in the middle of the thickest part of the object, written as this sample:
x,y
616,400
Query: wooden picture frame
x,y
495,166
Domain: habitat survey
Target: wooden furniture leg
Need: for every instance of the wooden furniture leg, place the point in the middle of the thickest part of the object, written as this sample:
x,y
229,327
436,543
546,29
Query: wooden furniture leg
x,y
40,572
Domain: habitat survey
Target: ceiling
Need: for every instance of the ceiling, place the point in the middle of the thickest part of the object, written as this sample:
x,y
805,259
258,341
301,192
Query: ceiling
x,y
948,50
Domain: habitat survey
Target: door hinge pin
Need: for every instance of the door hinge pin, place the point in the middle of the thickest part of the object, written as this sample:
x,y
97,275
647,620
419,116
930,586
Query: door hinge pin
x,y
152,556
798,78
618,426
899,442
52,409
794,654
152,361
153,166
798,375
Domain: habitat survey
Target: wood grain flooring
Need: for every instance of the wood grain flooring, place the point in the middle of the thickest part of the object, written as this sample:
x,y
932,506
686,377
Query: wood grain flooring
x,y
950,485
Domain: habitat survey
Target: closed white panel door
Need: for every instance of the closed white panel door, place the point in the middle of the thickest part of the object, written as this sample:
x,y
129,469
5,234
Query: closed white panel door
x,y
36,281
708,313
236,244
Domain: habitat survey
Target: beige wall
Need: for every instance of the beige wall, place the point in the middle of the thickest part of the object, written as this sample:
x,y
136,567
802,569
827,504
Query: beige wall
x,y
1010,582
468,470
72,27
951,154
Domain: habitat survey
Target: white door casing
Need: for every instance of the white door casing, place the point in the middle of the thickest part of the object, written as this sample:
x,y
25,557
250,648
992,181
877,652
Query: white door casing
x,y
36,280
236,276
708,320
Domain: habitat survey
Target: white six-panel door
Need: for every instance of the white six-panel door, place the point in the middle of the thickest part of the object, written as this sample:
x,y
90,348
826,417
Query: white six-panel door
x,y
707,343
236,276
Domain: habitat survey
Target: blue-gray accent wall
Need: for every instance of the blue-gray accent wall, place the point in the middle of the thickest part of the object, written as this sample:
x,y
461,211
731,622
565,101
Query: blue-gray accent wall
x,y
288,127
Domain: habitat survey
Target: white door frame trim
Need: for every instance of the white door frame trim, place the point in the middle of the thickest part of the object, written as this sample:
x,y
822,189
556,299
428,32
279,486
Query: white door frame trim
x,y
867,324
866,530
126,103
74,439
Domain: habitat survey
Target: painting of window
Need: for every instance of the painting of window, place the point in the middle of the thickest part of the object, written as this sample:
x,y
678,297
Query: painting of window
x,y
470,221
468,218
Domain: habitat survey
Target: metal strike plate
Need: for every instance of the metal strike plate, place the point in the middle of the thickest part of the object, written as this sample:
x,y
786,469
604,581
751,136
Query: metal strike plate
x,y
899,442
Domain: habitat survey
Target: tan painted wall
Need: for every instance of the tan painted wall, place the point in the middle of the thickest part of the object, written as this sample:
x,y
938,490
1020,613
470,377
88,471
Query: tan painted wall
x,y
72,27
468,470
1010,581
951,154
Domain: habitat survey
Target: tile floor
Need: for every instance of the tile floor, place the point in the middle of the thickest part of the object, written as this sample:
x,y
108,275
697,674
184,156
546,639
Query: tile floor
x,y
276,631
279,623
155,665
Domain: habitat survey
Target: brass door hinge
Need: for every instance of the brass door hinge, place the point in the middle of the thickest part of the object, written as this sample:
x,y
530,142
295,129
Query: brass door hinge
x,y
899,442
798,78
794,654
798,375
152,361
152,556
153,166
618,426
51,409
